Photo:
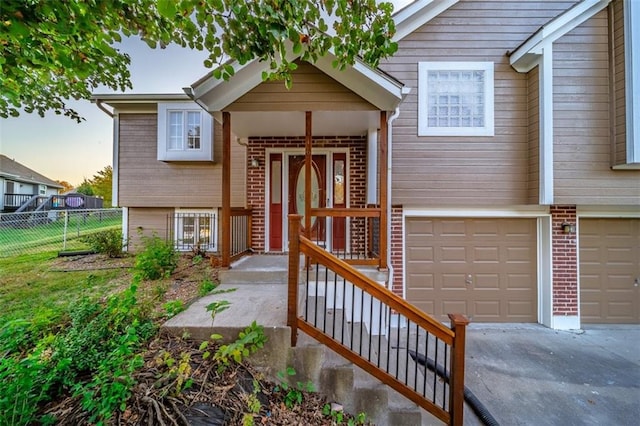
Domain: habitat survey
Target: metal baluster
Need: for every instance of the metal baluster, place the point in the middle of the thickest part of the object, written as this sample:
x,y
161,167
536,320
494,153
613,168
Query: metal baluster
x,y
370,326
406,353
326,294
415,373
435,369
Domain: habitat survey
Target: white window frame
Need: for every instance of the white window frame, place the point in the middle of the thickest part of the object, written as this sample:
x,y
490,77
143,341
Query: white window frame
x,y
213,228
42,189
423,95
165,152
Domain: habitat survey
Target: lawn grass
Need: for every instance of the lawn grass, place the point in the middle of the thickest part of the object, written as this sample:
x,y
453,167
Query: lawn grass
x,y
32,289
55,235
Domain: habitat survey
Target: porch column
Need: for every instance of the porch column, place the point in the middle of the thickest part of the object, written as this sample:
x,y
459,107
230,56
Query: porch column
x,y
384,202
307,174
226,190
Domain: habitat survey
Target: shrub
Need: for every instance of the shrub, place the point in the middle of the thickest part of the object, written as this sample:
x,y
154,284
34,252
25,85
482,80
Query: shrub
x,y
157,260
106,242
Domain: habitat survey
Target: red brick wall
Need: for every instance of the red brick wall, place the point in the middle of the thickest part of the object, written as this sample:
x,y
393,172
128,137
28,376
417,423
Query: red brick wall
x,y
397,249
256,177
565,261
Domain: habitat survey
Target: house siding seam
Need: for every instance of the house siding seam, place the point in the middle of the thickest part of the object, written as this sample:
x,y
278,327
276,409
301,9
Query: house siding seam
x,y
565,261
396,238
256,179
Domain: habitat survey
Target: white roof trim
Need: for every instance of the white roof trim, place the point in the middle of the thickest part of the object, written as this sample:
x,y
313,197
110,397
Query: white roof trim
x,y
524,58
372,85
418,13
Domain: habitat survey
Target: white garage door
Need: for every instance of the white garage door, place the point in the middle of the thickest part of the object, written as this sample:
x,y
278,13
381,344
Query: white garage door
x,y
483,268
610,271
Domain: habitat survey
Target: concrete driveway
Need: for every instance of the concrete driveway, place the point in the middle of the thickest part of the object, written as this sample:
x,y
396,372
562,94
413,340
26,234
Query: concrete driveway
x,y
532,375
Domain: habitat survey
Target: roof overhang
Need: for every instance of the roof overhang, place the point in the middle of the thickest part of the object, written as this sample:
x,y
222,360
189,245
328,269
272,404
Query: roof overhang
x,y
373,85
416,14
138,102
526,56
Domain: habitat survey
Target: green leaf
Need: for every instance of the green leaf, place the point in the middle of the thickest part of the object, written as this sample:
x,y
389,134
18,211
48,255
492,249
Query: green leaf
x,y
167,8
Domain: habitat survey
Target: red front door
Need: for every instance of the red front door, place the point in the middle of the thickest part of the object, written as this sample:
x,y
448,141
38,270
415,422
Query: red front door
x,y
275,202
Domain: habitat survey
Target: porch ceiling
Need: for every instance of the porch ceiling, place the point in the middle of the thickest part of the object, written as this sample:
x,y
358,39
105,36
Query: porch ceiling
x,y
292,123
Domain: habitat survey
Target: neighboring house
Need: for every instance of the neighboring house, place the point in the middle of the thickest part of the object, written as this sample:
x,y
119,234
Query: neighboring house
x,y
19,183
493,162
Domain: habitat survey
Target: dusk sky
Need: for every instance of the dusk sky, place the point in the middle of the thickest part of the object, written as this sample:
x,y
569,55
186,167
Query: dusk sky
x,y
62,149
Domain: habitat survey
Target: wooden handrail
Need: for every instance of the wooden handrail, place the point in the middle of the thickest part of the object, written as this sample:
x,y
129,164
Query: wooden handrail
x,y
453,338
357,278
346,212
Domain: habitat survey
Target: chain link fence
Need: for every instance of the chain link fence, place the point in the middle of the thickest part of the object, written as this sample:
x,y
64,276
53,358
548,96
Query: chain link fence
x,y
62,230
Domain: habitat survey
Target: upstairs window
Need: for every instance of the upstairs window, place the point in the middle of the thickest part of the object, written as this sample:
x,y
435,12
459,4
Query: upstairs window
x,y
455,99
42,189
184,133
184,130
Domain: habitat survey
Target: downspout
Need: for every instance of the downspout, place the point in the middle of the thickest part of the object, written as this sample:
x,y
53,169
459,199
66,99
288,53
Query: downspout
x,y
390,121
106,111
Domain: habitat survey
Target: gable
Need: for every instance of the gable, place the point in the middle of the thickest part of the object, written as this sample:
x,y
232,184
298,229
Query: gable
x,y
312,90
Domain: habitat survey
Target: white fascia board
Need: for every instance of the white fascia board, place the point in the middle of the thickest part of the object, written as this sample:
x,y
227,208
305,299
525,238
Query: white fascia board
x,y
368,83
514,212
137,98
523,58
418,13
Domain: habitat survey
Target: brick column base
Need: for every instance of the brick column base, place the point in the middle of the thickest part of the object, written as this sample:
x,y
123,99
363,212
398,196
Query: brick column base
x,y
397,250
564,248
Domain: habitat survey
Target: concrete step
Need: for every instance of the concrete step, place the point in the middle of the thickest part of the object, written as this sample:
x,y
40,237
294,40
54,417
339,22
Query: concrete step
x,y
240,277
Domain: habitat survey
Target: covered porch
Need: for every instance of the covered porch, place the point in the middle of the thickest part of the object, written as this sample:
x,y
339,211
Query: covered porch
x,y
319,149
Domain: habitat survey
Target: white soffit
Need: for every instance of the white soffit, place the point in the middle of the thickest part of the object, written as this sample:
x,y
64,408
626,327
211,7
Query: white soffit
x,y
413,16
525,57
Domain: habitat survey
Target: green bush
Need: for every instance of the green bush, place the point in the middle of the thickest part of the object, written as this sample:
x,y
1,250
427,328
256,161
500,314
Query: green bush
x,y
94,357
106,242
157,260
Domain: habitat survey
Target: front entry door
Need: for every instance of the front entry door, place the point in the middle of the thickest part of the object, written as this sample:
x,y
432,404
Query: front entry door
x,y
318,191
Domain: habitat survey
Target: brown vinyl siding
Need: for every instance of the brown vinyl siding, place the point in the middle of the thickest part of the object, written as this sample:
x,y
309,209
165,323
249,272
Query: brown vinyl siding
x,y
146,222
312,90
617,83
434,170
534,135
146,182
582,150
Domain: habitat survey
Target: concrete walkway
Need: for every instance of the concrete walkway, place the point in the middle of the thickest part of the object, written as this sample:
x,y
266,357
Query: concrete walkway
x,y
532,375
524,374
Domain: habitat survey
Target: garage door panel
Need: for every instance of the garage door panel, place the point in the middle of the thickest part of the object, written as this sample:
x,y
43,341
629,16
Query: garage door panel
x,y
519,254
426,282
452,254
519,282
451,228
609,264
487,282
454,281
486,254
480,267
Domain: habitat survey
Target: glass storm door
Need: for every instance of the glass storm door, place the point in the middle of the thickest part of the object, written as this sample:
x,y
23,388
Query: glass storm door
x,y
318,192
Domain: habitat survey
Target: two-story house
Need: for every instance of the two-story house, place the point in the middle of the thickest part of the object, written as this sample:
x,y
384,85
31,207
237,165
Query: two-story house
x,y
492,165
